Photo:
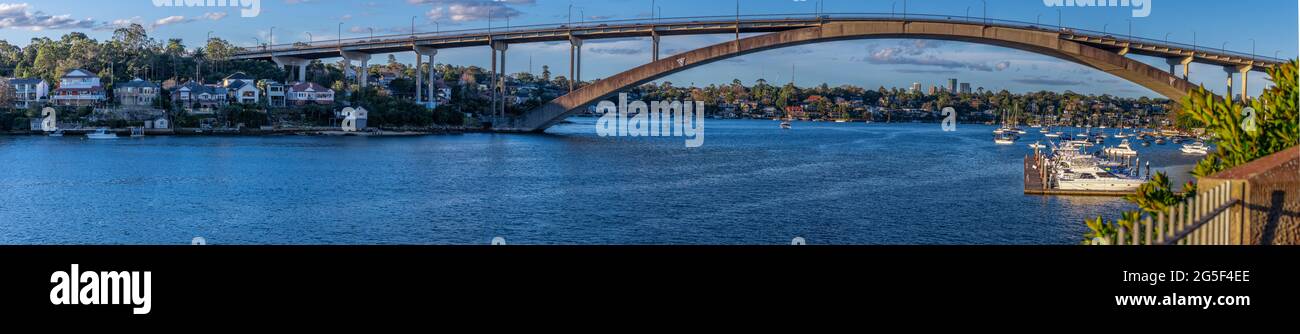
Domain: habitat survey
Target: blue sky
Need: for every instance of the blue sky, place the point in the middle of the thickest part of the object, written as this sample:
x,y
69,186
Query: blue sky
x,y
868,63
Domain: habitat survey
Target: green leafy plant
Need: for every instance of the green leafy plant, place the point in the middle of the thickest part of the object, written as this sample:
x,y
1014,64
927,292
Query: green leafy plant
x,y
1275,129
1275,122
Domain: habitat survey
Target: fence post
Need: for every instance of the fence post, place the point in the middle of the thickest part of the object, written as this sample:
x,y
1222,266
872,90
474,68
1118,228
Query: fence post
x,y
1160,227
1147,222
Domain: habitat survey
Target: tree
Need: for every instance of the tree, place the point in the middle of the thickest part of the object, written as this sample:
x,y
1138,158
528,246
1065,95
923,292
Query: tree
x,y
1274,129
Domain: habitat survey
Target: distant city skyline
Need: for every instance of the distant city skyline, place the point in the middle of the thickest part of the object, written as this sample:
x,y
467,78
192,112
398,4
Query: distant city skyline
x,y
864,63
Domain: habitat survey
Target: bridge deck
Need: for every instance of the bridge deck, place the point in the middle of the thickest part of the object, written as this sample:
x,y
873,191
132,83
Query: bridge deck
x,y
723,25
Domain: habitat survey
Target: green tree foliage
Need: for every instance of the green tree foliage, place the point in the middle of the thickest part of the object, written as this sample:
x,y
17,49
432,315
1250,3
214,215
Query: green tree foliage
x,y
1275,122
1275,129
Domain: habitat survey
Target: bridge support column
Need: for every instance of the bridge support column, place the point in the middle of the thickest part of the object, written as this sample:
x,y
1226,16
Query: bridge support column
x,y
1227,95
654,39
1185,62
300,63
501,81
364,58
420,52
1245,79
575,62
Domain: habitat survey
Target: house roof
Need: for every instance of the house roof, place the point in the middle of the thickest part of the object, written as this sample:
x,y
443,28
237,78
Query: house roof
x,y
137,83
308,87
25,81
79,73
239,76
196,88
237,84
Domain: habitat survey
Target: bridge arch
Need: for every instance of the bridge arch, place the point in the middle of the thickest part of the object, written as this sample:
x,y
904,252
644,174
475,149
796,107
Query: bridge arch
x,y
1027,39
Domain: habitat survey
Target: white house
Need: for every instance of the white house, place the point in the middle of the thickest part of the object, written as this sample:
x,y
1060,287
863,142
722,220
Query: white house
x,y
29,92
274,93
79,88
242,88
309,93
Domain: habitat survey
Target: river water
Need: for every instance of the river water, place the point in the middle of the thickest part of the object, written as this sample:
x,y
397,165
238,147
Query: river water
x,y
750,183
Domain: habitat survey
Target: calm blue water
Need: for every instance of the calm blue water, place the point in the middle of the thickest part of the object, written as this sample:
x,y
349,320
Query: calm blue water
x,y
751,183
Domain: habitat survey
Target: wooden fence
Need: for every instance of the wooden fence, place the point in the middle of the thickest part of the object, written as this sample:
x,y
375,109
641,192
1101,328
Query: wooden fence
x,y
1201,220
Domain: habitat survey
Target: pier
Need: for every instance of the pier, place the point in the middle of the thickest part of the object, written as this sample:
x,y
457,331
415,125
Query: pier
x,y
1036,182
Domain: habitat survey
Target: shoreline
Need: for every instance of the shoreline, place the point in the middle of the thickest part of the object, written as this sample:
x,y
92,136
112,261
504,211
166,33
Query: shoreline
x,y
246,132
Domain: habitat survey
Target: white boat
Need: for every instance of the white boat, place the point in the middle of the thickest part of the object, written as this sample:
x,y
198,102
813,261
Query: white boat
x,y
1053,135
1004,139
101,133
1123,150
1037,145
1095,179
785,125
1197,148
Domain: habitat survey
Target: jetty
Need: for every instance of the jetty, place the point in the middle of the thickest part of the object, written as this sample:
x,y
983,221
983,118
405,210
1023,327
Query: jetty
x,y
1037,181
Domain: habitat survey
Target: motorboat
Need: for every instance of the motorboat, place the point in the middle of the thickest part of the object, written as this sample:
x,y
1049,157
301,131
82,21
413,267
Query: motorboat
x,y
1004,139
1053,135
1123,150
101,133
1095,179
1196,148
785,125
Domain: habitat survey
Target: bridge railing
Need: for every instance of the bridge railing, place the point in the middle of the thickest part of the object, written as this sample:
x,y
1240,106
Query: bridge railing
x,y
791,17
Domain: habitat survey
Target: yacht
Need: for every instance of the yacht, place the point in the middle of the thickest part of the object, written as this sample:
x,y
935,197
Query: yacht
x,y
1197,148
1123,150
1053,135
1095,179
1004,139
785,125
101,133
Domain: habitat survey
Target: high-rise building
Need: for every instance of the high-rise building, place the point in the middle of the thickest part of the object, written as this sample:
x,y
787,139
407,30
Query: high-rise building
x,y
952,86
965,88
916,87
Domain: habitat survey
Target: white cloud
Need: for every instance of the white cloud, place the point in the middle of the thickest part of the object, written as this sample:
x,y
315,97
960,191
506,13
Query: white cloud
x,y
19,15
177,19
471,10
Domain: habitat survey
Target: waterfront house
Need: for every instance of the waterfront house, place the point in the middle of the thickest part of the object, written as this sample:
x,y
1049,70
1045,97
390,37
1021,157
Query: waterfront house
x,y
192,95
136,93
79,87
241,88
309,93
29,92
275,93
